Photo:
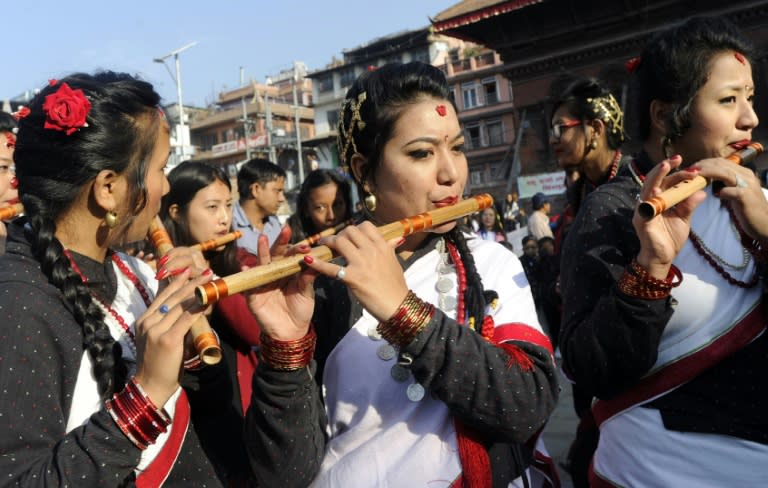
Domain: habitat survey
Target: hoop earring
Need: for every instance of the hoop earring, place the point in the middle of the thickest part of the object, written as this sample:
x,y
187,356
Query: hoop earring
x,y
370,202
111,219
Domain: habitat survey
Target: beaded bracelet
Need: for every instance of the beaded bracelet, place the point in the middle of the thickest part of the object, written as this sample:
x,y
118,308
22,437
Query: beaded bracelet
x,y
288,355
637,282
411,316
137,416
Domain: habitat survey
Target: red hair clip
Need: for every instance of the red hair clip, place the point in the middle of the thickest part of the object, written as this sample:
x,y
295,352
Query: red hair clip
x,y
21,113
740,58
632,64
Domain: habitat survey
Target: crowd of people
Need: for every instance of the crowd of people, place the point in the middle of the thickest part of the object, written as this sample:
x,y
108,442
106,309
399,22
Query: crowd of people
x,y
428,359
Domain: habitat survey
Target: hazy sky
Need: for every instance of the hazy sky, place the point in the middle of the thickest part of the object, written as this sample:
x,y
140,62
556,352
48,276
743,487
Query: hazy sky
x,y
49,39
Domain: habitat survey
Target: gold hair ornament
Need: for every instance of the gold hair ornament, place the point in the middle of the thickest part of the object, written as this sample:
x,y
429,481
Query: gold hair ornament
x,y
355,120
608,110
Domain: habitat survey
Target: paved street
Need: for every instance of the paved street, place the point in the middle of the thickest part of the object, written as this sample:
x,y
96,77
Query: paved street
x,y
561,429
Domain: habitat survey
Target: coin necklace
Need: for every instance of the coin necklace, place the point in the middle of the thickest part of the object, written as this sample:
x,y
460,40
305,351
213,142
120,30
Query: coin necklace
x,y
400,371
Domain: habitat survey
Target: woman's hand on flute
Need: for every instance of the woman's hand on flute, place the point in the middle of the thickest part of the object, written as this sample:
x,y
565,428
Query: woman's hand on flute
x,y
663,236
283,308
179,259
161,333
743,189
372,273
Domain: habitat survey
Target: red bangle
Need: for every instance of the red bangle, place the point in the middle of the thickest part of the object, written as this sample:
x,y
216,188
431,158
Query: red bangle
x,y
288,355
637,282
136,416
411,317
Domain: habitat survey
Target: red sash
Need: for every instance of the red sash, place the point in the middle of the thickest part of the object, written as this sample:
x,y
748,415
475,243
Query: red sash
x,y
685,368
158,470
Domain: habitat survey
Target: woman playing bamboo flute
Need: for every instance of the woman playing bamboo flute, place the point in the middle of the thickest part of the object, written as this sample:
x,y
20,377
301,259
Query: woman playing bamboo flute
x,y
664,317
434,369
91,352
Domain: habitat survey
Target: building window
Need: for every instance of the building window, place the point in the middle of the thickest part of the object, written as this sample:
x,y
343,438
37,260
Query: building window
x,y
469,95
477,177
393,58
347,77
325,83
489,87
495,131
333,119
421,55
473,136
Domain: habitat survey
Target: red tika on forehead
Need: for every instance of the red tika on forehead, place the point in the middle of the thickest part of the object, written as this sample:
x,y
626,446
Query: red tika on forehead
x,y
441,111
740,58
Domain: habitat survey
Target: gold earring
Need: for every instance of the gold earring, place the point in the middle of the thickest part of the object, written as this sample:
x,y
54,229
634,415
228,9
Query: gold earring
x,y
111,219
593,144
370,202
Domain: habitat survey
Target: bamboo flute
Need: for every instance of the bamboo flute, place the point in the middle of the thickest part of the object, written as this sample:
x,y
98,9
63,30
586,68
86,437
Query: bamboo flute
x,y
7,213
212,244
676,194
261,275
205,340
315,238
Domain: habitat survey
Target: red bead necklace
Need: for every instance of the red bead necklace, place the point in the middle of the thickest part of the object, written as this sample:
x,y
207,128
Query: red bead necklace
x,y
487,327
700,248
128,274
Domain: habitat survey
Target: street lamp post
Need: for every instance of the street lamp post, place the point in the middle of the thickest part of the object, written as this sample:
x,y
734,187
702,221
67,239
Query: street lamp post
x,y
297,123
177,79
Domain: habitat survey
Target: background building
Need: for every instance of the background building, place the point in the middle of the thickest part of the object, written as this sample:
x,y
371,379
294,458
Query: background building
x,y
330,84
543,44
260,120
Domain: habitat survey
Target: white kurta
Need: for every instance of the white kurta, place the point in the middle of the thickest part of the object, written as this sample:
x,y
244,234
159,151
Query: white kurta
x,y
378,436
634,442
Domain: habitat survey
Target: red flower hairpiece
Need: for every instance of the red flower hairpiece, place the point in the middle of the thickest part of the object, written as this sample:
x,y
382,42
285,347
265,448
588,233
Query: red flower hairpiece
x,y
66,109
632,64
10,140
20,113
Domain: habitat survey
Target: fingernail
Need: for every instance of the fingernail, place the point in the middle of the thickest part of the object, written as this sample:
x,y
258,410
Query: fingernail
x,y
400,241
163,260
162,274
676,157
691,170
208,272
309,259
303,247
177,272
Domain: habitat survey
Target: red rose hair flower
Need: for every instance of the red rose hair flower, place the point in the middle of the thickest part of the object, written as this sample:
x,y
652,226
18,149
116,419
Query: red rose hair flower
x,y
66,110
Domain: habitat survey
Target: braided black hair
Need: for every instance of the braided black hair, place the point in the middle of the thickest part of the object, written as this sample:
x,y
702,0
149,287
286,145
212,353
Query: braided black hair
x,y
53,168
